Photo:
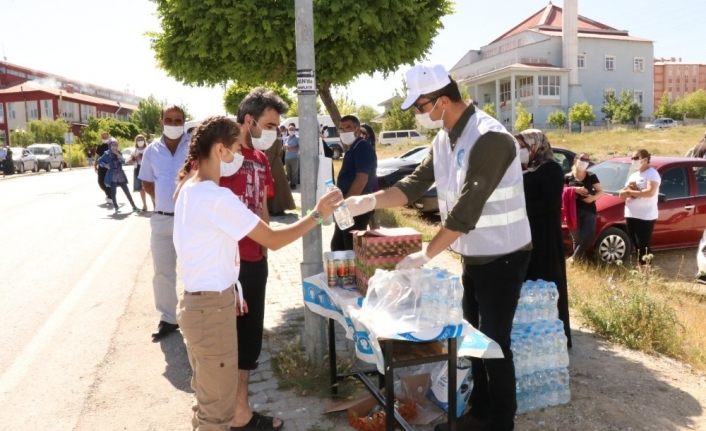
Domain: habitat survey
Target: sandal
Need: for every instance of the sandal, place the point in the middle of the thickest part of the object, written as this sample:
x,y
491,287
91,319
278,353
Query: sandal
x,y
259,422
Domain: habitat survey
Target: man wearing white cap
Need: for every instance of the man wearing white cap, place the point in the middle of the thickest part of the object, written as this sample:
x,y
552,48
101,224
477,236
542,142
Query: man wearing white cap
x,y
474,162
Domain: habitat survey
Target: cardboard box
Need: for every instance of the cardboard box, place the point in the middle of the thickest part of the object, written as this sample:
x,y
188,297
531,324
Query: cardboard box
x,y
381,249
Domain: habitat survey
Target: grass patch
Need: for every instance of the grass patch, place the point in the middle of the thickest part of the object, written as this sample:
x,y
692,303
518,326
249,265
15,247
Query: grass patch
x,y
603,144
642,311
408,217
294,371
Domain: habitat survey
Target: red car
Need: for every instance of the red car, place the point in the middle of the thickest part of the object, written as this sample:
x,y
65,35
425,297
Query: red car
x,y
682,206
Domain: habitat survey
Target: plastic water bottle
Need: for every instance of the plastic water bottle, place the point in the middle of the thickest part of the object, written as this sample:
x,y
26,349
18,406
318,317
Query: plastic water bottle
x,y
341,214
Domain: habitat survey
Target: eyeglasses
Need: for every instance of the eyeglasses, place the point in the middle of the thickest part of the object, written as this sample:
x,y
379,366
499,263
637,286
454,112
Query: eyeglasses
x,y
363,134
419,107
635,158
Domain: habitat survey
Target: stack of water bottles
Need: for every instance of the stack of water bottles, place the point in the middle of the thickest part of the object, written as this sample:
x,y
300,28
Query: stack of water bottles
x,y
441,294
539,349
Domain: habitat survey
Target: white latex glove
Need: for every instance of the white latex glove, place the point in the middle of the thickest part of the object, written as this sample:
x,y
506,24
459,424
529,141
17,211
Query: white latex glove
x,y
358,205
414,260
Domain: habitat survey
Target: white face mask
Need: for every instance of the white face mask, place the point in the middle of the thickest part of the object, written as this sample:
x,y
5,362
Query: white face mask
x,y
581,164
348,138
635,165
230,168
425,120
105,141
524,156
266,139
140,144
173,132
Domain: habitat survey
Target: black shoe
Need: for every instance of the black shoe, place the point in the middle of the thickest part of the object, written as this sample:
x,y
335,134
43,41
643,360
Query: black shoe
x,y
701,279
164,329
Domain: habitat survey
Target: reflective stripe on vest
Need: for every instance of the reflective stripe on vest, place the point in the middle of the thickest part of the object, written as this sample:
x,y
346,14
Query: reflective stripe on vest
x,y
501,219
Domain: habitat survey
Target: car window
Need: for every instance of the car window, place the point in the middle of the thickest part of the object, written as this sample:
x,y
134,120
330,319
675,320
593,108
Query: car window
x,y
403,134
414,134
388,135
418,156
700,174
612,175
563,161
675,183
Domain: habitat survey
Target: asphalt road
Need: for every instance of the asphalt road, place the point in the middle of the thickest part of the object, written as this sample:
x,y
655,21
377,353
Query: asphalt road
x,y
69,268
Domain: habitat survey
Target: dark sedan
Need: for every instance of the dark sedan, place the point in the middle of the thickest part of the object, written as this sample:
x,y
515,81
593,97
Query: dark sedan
x,y
392,170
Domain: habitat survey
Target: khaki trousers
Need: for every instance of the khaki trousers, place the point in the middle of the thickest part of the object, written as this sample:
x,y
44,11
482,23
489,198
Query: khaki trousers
x,y
208,323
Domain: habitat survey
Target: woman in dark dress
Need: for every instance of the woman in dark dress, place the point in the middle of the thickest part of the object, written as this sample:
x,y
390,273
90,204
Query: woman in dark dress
x,y
544,182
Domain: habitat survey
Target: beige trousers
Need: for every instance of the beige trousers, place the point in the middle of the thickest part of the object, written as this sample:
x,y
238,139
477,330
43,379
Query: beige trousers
x,y
208,323
164,260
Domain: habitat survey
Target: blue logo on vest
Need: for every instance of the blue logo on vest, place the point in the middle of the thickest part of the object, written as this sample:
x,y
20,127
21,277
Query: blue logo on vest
x,y
459,157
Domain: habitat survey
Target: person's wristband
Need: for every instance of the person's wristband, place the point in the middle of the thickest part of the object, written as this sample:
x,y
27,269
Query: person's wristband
x,y
316,216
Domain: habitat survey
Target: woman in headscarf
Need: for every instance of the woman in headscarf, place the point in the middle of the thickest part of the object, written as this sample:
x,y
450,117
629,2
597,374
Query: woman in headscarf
x,y
544,182
282,199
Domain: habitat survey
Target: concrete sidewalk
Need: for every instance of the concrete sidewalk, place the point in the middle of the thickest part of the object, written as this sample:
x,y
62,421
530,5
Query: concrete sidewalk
x,y
284,312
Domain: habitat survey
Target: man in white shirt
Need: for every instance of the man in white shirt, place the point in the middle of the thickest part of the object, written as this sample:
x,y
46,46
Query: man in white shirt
x,y
160,165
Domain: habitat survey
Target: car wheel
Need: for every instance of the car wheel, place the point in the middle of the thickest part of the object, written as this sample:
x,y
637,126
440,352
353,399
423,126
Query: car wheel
x,y
22,168
61,167
336,153
36,167
48,167
613,244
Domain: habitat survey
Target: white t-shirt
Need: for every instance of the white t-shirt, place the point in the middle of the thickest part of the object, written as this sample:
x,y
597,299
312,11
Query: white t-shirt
x,y
208,223
643,208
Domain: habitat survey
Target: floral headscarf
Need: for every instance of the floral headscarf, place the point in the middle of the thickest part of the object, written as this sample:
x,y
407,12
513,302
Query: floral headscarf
x,y
536,142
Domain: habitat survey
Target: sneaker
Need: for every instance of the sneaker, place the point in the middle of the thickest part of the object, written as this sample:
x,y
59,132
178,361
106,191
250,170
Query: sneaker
x,y
116,211
135,209
108,200
701,279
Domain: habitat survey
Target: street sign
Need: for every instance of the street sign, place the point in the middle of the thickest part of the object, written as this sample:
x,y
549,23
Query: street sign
x,y
306,82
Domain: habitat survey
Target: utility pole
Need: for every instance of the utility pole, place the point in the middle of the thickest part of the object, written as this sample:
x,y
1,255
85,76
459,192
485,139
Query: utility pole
x,y
314,325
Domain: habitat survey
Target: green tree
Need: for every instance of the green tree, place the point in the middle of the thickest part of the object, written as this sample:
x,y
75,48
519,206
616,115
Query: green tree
x,y
557,119
397,119
581,113
692,105
21,138
252,41
665,108
366,113
345,105
523,119
621,109
147,115
90,135
294,107
235,93
489,108
49,131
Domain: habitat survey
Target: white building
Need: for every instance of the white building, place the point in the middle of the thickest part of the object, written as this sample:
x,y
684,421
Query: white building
x,y
556,58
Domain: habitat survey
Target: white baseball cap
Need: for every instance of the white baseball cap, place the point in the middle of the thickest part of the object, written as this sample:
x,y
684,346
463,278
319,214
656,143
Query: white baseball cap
x,y
422,80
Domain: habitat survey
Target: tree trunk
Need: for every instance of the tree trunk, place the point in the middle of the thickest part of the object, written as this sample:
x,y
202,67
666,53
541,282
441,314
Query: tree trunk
x,y
329,103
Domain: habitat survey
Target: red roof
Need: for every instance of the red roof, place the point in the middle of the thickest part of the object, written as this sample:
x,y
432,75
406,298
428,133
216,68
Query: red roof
x,y
33,86
549,18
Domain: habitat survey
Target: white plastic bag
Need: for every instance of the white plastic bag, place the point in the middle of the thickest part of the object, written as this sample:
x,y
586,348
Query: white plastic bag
x,y
323,175
438,393
701,254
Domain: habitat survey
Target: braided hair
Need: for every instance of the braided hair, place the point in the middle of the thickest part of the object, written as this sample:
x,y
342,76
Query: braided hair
x,y
213,130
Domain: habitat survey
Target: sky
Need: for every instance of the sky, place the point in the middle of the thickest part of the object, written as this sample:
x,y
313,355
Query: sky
x,y
103,42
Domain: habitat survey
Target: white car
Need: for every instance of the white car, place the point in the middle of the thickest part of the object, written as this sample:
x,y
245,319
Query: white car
x,y
661,123
388,137
24,160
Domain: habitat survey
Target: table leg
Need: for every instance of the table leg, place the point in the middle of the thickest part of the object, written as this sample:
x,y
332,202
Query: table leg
x,y
387,354
453,362
333,369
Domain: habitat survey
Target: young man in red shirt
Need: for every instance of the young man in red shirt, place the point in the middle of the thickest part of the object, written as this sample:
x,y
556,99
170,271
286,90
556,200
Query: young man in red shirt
x,y
258,116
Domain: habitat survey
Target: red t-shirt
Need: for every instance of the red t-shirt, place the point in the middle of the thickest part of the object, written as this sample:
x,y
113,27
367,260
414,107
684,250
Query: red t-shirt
x,y
249,185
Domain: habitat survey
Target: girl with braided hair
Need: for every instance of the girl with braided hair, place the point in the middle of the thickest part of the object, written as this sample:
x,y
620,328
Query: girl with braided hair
x,y
208,222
